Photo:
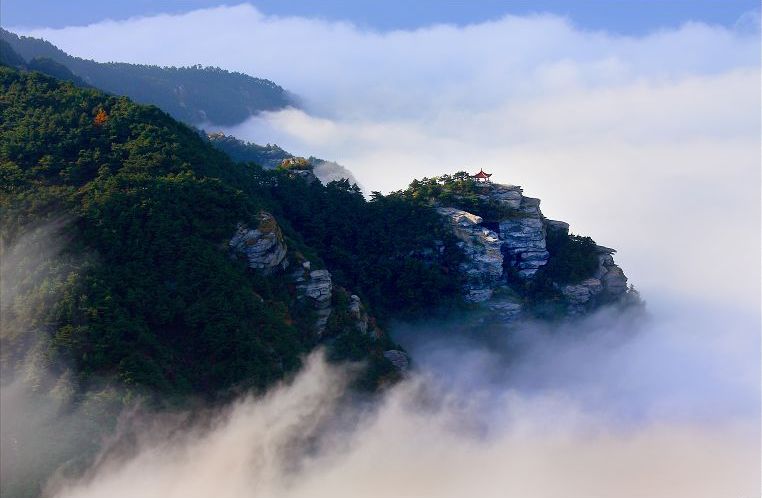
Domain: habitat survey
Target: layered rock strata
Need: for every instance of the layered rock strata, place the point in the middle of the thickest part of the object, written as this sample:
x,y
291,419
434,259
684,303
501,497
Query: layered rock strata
x,y
483,265
519,247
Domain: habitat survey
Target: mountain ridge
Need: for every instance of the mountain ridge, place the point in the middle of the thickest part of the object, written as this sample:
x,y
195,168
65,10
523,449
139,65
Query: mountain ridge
x,y
193,94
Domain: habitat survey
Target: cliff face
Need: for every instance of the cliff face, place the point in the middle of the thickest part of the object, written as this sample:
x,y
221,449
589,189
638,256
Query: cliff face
x,y
265,250
483,266
505,258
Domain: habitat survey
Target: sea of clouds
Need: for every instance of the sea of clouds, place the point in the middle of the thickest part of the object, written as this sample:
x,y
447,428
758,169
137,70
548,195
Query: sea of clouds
x,y
650,144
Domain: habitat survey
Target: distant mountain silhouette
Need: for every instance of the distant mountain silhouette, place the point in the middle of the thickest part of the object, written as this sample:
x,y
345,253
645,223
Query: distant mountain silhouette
x,y
194,94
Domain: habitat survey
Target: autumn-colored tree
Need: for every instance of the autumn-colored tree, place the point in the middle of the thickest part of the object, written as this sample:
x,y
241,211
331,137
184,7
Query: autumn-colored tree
x,y
100,118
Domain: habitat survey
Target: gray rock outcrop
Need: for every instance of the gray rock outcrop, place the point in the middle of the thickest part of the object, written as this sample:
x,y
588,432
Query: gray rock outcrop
x,y
509,196
483,266
316,287
608,284
523,237
506,309
518,248
263,246
612,277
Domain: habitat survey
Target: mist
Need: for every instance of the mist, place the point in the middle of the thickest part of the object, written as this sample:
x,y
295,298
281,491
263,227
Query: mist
x,y
612,405
628,404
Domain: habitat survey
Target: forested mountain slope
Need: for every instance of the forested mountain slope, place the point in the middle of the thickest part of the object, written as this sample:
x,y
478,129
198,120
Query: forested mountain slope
x,y
151,289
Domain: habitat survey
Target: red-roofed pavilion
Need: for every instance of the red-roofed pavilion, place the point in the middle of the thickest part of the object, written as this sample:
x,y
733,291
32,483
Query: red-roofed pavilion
x,y
481,176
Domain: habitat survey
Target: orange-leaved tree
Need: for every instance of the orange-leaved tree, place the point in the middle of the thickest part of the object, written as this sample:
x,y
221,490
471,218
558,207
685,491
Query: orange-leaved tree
x,y
101,117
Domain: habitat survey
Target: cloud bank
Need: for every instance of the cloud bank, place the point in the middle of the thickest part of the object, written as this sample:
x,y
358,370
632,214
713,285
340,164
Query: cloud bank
x,y
593,410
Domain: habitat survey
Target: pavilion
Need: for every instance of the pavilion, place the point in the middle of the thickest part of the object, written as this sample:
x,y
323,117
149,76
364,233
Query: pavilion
x,y
481,176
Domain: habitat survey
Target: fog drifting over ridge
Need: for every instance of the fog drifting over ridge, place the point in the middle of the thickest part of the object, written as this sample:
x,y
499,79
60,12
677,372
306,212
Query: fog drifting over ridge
x,y
649,144
586,411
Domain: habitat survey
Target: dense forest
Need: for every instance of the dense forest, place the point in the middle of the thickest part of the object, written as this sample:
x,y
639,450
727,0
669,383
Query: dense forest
x,y
145,290
191,94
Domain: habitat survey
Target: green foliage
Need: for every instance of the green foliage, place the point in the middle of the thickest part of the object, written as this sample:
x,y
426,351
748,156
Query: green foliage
x,y
9,57
573,258
160,304
295,164
52,68
267,156
460,191
192,94
377,248
145,290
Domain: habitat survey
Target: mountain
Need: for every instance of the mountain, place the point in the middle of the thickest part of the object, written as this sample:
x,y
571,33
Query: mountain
x,y
178,257
186,272
9,57
44,65
191,94
138,261
271,156
518,263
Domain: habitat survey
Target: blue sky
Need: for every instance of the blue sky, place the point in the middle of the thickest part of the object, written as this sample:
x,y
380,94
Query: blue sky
x,y
621,16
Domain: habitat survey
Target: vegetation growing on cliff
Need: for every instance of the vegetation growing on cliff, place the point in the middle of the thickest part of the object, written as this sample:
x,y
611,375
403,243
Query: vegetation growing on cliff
x,y
573,258
458,190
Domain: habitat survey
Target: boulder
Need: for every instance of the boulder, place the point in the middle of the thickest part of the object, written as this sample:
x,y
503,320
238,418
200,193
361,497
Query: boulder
x,y
505,195
263,246
580,295
612,277
557,226
506,310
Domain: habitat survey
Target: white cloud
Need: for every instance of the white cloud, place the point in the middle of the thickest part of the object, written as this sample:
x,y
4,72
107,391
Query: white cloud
x,y
593,415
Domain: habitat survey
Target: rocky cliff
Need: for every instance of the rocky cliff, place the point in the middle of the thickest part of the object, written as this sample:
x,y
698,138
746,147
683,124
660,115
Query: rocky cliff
x,y
265,250
506,257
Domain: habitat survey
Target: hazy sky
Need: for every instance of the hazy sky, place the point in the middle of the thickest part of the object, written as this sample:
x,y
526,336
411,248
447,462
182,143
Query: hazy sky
x,y
630,17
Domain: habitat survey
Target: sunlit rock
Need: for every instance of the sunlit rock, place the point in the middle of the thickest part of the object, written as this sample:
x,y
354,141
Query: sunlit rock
x,y
483,265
